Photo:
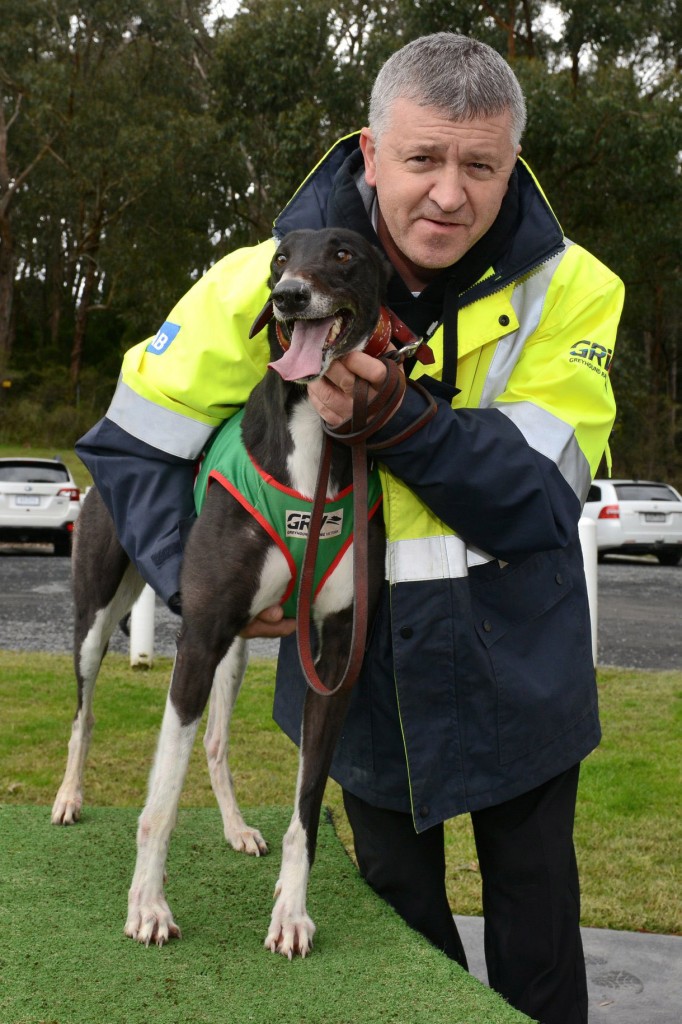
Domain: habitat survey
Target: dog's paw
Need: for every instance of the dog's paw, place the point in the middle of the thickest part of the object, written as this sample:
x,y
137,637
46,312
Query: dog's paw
x,y
245,839
291,933
151,921
66,809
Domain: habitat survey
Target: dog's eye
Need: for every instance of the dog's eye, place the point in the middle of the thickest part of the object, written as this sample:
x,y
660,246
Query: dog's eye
x,y
344,256
279,260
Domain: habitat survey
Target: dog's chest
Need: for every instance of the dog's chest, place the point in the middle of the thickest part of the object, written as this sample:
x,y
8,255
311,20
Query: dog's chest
x,y
305,428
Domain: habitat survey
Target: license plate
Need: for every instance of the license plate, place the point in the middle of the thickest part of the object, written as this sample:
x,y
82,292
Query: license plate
x,y
27,499
654,517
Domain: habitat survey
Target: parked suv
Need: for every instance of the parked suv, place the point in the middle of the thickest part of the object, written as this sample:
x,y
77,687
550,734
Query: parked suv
x,y
637,517
39,501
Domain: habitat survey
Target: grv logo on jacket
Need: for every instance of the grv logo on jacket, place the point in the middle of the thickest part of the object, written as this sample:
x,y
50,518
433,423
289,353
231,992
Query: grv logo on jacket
x,y
595,356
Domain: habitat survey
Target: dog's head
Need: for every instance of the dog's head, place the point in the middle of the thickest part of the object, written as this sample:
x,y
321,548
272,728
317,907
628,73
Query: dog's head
x,y
326,292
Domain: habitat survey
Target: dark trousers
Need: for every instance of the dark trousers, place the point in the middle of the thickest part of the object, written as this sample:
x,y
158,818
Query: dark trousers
x,y
531,900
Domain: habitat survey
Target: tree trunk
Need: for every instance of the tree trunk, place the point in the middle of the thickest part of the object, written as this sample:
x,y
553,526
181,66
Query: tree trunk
x,y
7,271
528,18
88,287
7,258
55,288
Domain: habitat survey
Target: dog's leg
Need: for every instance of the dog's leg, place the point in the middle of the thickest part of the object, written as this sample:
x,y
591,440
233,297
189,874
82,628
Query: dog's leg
x,y
105,587
149,916
223,587
291,929
226,685
206,637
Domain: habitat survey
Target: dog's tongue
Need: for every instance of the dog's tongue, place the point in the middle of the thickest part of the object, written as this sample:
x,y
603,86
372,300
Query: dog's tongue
x,y
304,356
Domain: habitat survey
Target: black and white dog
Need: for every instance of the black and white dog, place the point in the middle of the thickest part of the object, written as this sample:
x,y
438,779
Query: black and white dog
x,y
327,288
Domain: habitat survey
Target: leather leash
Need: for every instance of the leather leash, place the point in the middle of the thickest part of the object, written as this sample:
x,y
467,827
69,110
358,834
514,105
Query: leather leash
x,y
366,419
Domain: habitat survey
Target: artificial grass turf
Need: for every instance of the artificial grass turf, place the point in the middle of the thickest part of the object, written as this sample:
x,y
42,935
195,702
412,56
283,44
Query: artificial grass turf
x,y
64,958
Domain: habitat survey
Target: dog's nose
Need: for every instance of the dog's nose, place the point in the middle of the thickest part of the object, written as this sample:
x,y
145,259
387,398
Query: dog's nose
x,y
291,296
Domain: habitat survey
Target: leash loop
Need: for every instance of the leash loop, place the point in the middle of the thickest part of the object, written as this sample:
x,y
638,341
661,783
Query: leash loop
x,y
367,417
360,579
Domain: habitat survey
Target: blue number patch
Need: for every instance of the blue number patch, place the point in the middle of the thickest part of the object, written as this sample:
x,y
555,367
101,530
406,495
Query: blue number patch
x,y
164,336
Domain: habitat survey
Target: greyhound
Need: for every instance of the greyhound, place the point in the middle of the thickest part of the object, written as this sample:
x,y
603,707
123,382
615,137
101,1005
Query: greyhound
x,y
326,296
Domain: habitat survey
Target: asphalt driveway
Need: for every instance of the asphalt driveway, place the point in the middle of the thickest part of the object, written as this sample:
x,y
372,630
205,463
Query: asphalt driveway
x,y
639,610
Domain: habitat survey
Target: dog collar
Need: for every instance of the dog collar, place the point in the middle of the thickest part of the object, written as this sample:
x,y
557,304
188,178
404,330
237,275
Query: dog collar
x,y
389,328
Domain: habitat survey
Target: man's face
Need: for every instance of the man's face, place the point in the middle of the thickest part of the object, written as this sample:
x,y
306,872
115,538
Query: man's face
x,y
439,183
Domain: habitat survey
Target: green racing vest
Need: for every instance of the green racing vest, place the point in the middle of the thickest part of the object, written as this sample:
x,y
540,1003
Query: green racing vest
x,y
282,512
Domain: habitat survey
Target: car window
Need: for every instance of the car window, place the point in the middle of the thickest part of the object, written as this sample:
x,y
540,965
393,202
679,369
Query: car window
x,y
645,492
594,493
33,473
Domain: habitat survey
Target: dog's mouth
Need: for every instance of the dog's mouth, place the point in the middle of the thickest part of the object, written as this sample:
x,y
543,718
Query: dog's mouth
x,y
310,345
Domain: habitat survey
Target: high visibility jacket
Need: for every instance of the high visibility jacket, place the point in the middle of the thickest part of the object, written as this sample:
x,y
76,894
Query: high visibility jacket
x,y
478,683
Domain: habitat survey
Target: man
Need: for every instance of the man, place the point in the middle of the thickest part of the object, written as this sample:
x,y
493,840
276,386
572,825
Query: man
x,y
477,692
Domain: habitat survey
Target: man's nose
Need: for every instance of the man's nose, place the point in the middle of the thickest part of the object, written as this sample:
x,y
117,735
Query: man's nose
x,y
447,191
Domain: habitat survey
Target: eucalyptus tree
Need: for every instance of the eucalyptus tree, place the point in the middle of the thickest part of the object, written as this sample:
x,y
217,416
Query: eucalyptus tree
x,y
106,112
142,139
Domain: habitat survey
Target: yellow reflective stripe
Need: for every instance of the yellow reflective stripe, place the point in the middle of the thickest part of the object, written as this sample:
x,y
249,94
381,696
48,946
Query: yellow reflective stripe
x,y
161,428
443,557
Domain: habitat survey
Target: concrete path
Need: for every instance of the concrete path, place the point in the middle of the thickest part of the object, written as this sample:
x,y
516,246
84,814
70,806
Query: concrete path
x,y
632,978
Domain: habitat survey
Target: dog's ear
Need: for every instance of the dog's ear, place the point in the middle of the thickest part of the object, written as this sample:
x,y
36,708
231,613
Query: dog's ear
x,y
263,318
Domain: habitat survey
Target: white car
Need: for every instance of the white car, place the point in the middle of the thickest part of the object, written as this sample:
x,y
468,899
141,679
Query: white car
x,y
39,501
636,517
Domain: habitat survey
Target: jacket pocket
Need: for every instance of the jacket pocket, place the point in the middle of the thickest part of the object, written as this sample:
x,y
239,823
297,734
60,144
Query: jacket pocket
x,y
533,619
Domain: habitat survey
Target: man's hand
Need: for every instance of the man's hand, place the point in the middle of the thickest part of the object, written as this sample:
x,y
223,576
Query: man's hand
x,y
270,624
332,395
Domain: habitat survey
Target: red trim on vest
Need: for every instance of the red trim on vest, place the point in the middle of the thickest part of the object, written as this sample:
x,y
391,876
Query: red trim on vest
x,y
333,565
289,490
269,529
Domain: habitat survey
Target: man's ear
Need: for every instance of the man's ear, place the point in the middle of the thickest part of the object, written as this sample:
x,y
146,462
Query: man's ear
x,y
368,148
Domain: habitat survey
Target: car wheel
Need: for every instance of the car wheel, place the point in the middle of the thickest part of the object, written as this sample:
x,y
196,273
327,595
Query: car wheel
x,y
669,557
62,547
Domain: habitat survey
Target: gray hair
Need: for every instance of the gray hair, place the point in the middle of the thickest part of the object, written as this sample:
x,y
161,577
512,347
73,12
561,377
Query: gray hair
x,y
460,76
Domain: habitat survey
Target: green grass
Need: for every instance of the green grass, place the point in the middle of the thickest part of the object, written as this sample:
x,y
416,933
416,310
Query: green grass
x,y
628,830
65,960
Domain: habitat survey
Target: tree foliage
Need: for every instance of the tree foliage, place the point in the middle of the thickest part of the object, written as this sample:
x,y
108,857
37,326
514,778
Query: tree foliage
x,y
140,140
